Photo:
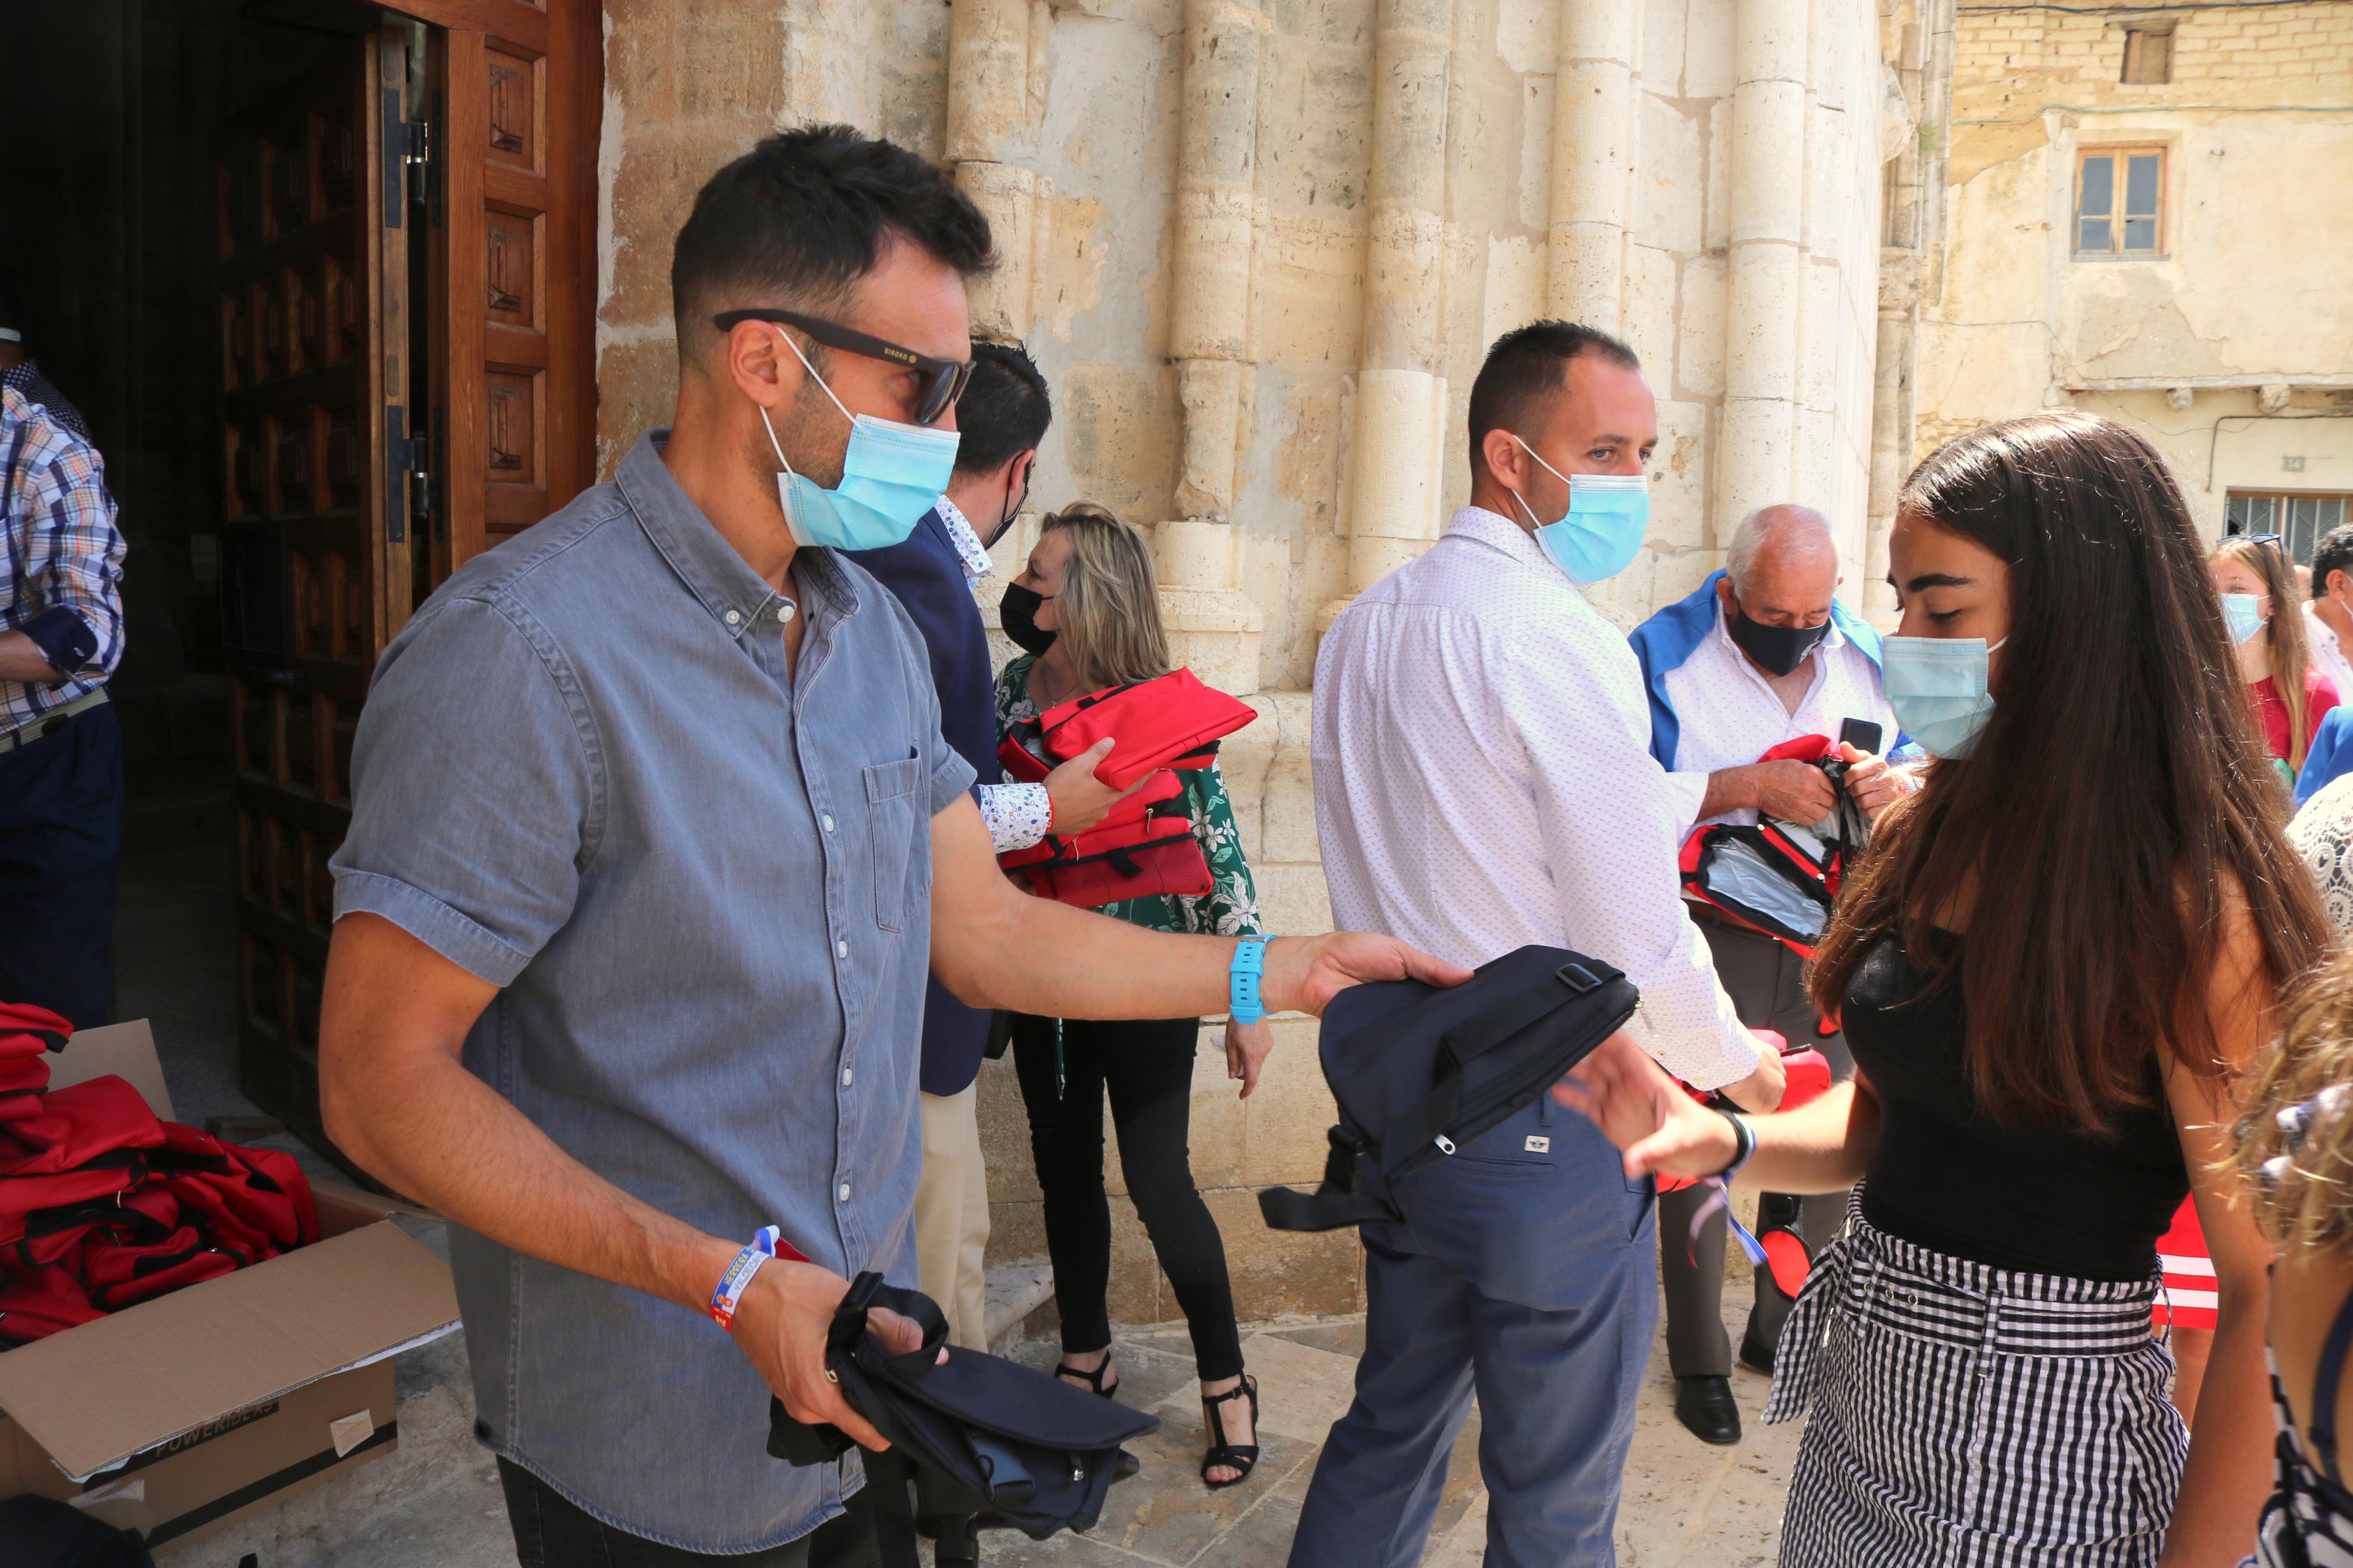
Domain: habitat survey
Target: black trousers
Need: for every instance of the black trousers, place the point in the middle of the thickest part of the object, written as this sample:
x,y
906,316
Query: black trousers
x,y
1147,1069
60,843
1766,983
552,1531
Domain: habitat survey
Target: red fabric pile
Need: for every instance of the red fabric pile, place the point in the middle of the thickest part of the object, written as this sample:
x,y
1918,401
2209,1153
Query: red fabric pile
x,y
103,1205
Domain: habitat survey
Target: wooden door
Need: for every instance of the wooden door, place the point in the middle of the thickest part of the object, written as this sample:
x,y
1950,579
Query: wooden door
x,y
513,374
312,318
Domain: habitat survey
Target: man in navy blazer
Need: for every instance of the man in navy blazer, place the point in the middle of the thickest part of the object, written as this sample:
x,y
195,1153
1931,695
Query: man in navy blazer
x,y
1002,416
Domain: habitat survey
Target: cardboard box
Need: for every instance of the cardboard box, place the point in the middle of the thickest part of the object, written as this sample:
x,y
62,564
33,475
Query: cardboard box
x,y
188,1411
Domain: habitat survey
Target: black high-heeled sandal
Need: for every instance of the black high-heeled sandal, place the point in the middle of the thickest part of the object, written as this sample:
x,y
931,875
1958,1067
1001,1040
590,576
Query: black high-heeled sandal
x,y
1222,1455
1093,1380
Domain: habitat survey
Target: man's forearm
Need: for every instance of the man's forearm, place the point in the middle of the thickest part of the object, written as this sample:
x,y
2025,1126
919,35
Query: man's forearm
x,y
432,1129
21,659
1051,960
1729,789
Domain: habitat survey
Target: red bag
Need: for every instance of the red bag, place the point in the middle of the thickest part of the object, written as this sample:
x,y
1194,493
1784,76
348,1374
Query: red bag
x,y
117,1273
1162,786
22,1196
38,1302
1157,855
255,1199
1169,721
145,1213
27,1035
70,1127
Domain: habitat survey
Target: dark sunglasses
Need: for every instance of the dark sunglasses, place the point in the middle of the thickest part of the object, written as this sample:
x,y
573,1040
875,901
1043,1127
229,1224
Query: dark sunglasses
x,y
2278,542
943,379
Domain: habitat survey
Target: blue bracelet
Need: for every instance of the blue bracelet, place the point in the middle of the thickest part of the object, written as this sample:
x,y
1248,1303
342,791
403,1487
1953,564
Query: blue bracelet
x,y
1249,964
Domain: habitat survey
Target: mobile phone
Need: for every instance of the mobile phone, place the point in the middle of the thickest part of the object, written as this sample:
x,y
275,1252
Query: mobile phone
x,y
1862,735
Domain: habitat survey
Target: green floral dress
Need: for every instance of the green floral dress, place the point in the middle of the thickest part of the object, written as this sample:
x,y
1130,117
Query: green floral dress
x,y
1230,907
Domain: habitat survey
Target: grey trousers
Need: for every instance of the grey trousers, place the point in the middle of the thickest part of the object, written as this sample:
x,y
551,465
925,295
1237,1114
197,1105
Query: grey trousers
x,y
1766,983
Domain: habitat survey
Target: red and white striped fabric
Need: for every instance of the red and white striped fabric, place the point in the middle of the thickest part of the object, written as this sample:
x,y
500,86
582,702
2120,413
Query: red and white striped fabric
x,y
2188,1299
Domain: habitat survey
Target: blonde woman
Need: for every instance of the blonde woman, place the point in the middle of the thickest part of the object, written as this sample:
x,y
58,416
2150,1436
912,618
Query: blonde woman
x,y
2296,1147
2260,610
1087,612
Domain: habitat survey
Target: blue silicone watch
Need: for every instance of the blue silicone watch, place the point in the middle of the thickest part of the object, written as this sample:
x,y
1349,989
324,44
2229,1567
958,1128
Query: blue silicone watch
x,y
1249,964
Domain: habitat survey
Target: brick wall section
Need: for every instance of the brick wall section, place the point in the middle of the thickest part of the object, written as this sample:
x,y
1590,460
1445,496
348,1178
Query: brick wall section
x,y
2228,55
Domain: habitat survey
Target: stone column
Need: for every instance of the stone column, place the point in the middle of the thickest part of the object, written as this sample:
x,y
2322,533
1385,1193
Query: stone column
x,y
1593,138
989,135
825,62
1765,294
1400,437
1214,626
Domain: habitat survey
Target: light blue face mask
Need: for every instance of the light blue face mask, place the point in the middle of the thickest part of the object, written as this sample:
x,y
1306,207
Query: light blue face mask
x,y
2243,615
1598,537
1937,688
890,476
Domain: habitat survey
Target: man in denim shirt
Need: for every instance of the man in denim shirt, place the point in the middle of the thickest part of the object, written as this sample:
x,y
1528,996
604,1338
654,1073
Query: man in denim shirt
x,y
654,835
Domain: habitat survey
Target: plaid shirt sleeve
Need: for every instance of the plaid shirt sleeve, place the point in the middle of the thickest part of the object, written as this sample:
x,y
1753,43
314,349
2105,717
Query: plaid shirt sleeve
x,y
61,553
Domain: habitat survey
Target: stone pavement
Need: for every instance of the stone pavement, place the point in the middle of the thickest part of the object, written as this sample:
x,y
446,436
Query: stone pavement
x,y
435,1500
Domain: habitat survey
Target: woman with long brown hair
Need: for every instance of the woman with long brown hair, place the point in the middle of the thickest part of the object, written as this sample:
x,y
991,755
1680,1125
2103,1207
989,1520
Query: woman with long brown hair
x,y
2290,694
2052,970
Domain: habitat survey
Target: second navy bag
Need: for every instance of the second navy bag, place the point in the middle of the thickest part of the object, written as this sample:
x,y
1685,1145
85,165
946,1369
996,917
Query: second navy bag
x,y
1417,1070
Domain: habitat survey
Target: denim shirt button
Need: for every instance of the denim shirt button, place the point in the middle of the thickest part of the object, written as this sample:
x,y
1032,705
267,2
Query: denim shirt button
x,y
735,616
846,1076
841,950
829,822
845,1192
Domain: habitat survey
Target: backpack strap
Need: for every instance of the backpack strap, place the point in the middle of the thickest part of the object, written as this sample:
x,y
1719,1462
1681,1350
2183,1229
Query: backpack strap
x,y
1341,1199
1419,1136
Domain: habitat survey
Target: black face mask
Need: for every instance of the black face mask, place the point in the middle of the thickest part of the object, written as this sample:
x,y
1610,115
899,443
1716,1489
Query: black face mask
x,y
1012,510
1018,614
1779,649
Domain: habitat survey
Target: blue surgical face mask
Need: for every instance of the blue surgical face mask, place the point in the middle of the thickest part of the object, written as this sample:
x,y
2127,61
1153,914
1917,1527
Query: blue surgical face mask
x,y
2243,615
1937,688
1597,538
890,476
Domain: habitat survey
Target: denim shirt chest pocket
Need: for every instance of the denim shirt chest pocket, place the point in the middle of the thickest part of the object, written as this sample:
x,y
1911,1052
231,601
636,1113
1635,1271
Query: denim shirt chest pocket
x,y
892,820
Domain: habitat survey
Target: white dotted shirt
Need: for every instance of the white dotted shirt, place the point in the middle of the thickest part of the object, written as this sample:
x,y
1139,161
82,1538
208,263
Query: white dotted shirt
x,y
1729,715
1484,780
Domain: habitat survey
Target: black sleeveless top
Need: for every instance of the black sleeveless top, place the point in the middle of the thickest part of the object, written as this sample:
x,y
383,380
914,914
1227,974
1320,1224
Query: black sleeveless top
x,y
2038,1198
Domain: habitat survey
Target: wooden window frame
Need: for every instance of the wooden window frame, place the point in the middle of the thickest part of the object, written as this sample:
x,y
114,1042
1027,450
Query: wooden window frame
x,y
2122,152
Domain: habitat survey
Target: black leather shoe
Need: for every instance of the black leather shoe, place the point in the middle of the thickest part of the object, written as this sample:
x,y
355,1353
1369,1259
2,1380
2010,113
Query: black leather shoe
x,y
1705,1406
1754,1354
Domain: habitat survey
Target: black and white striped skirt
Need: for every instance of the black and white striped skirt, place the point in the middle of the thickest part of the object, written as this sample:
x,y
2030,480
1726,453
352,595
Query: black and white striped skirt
x,y
1962,1415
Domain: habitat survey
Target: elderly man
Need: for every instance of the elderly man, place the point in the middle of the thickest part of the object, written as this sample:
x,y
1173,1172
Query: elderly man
x,y
1761,654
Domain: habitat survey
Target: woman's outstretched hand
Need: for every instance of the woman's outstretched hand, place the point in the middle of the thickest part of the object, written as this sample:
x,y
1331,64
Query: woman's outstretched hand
x,y
1646,1113
1246,1048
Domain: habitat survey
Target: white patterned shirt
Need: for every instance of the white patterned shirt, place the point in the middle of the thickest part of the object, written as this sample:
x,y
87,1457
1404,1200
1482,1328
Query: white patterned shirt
x,y
2327,655
1484,780
1017,815
1730,715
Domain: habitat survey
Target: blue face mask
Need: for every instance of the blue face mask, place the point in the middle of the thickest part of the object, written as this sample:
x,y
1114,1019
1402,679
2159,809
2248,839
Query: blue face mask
x,y
890,476
1607,515
2243,615
1937,688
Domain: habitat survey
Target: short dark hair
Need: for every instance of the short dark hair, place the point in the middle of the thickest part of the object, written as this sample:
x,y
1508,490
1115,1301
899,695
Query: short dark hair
x,y
802,215
1005,407
2333,553
1526,365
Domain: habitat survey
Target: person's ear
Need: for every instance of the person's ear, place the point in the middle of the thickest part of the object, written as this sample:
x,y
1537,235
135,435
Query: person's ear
x,y
761,367
1505,462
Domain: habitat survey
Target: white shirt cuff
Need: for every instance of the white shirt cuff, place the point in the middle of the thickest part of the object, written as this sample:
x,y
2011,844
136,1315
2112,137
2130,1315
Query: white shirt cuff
x,y
1689,792
1017,814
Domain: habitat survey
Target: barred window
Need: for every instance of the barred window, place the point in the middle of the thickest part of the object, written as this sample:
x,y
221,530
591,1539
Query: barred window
x,y
2297,518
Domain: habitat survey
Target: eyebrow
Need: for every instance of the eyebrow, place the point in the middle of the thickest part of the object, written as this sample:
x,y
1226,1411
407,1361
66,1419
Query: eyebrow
x,y
1932,580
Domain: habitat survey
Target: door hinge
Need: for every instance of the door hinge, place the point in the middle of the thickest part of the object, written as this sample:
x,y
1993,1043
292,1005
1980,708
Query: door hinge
x,y
408,482
418,161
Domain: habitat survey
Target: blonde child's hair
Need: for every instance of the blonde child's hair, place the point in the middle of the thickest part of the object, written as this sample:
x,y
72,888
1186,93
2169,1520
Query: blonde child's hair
x,y
2296,1135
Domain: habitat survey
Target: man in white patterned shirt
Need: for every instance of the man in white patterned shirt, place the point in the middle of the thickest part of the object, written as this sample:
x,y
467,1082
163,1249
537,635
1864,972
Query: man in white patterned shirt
x,y
1002,417
1483,781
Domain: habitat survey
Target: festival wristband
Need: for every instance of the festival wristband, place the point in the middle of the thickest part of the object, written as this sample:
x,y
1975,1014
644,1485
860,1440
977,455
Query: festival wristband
x,y
768,1244
1249,965
1744,1140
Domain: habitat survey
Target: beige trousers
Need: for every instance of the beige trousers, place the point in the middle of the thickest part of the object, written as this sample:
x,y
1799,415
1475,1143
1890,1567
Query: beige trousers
x,y
952,1215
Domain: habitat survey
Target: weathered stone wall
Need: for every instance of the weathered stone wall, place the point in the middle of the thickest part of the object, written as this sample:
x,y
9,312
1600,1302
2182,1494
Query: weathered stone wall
x,y
2257,125
1260,250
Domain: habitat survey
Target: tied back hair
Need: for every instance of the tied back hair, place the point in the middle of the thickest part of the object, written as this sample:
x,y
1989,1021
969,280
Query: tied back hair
x,y
2303,1186
2284,631
2120,786
1108,609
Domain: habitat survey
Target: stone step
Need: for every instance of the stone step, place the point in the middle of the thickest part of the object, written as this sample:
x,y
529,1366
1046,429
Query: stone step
x,y
1018,1292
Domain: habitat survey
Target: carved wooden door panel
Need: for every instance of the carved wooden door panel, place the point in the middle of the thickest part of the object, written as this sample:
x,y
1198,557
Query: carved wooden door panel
x,y
514,372
313,324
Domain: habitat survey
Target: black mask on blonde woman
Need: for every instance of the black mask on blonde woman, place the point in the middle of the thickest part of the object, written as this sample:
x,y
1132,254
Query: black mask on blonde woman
x,y
1018,614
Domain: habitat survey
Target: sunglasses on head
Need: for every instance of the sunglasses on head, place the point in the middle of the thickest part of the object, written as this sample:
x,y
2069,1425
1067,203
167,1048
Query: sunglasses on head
x,y
943,380
2276,541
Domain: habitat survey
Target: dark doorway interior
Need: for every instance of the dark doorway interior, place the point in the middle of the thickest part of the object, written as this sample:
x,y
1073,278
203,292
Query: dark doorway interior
x,y
114,213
